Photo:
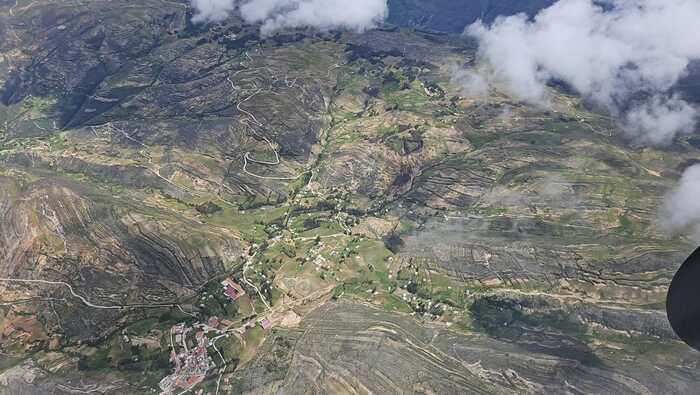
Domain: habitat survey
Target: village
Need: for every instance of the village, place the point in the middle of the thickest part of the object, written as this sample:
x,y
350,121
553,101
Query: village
x,y
193,349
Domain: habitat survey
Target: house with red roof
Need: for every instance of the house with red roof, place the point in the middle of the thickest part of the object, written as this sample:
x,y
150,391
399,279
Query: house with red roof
x,y
232,290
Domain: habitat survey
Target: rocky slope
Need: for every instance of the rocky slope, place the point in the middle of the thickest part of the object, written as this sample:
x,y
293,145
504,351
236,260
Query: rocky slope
x,y
399,234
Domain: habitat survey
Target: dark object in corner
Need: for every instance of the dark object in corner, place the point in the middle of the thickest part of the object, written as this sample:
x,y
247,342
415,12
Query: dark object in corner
x,y
683,301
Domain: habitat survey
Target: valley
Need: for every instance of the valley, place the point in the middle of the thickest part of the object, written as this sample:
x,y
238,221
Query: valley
x,y
381,230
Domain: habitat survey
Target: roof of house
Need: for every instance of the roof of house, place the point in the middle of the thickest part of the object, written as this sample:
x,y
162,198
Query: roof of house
x,y
265,323
232,293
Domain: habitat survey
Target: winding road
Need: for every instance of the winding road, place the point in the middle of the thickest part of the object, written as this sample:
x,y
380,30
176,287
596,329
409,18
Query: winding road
x,y
87,302
251,118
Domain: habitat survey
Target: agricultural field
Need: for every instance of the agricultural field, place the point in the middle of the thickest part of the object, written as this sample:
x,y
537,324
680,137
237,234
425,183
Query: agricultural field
x,y
389,232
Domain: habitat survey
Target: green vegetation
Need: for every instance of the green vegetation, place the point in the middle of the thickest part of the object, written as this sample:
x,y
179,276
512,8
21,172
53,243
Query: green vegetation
x,y
485,215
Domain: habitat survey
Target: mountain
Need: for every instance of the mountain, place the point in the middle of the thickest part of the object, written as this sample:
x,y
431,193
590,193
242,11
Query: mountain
x,y
454,15
199,207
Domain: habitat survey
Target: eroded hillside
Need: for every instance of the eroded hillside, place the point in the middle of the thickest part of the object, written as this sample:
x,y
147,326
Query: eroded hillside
x,y
389,232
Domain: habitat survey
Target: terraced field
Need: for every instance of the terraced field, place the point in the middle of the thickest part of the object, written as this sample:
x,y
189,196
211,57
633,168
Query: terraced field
x,y
346,347
396,234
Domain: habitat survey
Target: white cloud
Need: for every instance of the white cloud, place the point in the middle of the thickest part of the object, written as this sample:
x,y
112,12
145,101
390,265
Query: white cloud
x,y
606,55
356,15
212,10
472,82
659,119
681,209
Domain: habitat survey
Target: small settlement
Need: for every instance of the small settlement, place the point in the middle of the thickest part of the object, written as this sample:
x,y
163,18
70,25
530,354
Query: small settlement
x,y
191,364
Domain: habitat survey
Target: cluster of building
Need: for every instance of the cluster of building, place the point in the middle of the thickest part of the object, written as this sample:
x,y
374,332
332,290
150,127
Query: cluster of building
x,y
191,365
192,362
